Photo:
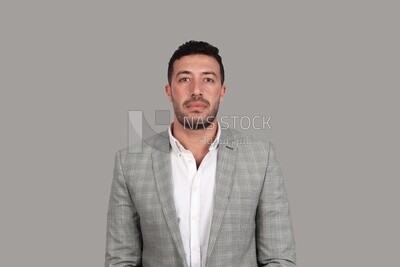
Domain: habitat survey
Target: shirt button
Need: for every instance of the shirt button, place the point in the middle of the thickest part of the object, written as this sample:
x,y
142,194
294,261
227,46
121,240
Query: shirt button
x,y
194,216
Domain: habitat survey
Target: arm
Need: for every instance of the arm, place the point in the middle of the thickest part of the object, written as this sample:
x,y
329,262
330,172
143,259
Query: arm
x,y
274,232
123,240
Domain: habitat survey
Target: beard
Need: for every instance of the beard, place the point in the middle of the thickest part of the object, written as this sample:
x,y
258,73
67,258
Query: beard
x,y
192,121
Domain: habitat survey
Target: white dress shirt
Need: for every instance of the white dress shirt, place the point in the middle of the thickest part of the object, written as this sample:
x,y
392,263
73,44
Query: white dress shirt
x,y
194,197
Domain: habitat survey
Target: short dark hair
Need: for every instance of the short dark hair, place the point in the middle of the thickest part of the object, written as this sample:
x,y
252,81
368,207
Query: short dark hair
x,y
194,48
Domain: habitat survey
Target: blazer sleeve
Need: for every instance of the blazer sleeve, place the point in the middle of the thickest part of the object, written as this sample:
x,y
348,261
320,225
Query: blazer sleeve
x,y
274,232
123,238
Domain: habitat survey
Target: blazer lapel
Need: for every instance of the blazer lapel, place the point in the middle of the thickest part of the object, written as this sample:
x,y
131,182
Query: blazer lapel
x,y
226,162
163,181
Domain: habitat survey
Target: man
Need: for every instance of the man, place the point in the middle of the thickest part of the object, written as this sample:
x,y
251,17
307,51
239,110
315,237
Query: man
x,y
198,195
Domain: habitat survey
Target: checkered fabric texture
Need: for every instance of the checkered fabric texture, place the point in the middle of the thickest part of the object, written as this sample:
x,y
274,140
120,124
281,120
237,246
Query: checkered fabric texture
x,y
251,224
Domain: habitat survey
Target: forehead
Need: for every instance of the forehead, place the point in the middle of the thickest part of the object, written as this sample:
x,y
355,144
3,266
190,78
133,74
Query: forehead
x,y
196,63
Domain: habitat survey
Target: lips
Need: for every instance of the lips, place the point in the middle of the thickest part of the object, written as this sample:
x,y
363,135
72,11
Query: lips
x,y
196,105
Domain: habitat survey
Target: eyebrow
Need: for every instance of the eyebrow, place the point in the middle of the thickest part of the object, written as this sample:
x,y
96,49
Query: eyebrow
x,y
204,73
209,72
183,72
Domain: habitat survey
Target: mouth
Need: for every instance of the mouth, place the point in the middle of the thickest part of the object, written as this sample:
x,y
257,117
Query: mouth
x,y
196,105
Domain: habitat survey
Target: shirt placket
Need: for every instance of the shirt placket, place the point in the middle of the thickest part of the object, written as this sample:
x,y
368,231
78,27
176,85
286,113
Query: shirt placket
x,y
194,213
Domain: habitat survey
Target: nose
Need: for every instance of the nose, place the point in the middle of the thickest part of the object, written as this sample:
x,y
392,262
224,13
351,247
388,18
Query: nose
x,y
196,88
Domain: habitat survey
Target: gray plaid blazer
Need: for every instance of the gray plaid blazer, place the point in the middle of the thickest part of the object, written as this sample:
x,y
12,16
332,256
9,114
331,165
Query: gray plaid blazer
x,y
251,223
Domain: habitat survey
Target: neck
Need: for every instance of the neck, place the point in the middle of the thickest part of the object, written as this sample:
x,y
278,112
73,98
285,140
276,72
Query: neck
x,y
196,141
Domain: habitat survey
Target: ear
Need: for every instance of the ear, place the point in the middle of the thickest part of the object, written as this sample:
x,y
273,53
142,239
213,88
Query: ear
x,y
168,92
222,93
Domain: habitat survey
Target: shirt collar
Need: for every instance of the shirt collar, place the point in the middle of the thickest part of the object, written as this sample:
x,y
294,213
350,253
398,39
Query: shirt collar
x,y
177,147
215,143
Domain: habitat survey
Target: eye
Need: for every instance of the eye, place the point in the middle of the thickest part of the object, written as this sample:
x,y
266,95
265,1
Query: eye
x,y
184,79
209,80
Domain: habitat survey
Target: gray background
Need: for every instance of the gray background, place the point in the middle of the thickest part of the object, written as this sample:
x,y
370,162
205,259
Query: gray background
x,y
327,73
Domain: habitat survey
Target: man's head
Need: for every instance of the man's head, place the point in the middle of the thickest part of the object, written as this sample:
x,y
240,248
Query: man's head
x,y
195,84
196,48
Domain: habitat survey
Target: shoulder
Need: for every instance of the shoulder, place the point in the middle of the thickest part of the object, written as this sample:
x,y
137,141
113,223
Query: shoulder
x,y
141,152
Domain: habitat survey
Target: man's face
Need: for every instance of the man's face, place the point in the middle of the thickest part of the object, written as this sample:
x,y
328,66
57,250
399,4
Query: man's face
x,y
195,90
